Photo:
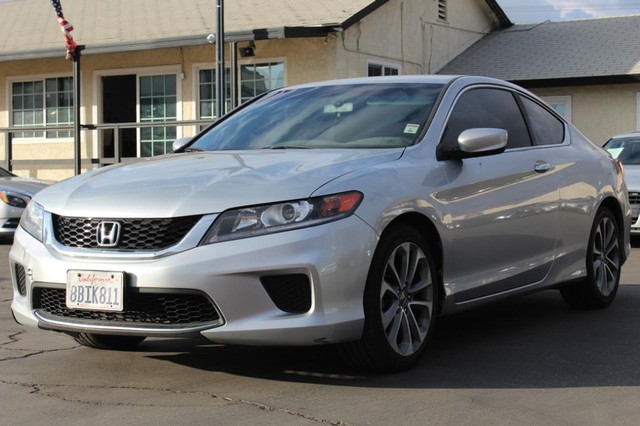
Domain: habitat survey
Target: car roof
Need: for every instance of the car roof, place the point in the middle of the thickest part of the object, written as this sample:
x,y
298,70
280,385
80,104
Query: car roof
x,y
425,79
627,135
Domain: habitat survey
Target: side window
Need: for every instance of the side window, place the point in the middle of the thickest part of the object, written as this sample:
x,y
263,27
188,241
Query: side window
x,y
482,108
546,128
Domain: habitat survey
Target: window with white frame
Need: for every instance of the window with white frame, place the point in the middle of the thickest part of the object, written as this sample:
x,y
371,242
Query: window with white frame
x,y
255,79
259,78
158,98
207,92
560,104
44,102
377,70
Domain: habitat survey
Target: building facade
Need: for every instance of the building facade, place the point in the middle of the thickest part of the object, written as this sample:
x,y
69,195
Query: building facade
x,y
149,61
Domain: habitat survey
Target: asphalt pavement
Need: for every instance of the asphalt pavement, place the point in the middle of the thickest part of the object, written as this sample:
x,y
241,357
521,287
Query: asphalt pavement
x,y
530,360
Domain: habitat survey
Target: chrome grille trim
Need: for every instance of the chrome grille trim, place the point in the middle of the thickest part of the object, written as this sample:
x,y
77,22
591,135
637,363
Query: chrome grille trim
x,y
165,312
191,240
138,234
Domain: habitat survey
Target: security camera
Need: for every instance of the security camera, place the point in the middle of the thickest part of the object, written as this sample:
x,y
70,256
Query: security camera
x,y
211,38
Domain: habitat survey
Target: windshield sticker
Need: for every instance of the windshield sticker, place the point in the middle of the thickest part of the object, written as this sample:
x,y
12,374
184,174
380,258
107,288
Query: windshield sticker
x,y
615,152
411,129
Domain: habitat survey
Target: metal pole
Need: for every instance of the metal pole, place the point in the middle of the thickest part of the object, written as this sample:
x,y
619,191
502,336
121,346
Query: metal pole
x,y
233,58
220,86
8,151
117,155
77,149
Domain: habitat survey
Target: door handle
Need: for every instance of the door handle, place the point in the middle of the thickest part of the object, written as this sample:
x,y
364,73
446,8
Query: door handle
x,y
541,167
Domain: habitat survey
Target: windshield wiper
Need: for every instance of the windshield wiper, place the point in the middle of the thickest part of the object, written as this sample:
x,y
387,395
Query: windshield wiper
x,y
288,147
189,149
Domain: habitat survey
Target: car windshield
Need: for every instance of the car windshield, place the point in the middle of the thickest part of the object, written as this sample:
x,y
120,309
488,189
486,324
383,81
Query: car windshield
x,y
627,150
341,116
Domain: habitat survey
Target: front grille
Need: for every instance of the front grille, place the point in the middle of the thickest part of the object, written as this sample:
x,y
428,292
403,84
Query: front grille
x,y
21,279
136,234
634,200
290,293
140,308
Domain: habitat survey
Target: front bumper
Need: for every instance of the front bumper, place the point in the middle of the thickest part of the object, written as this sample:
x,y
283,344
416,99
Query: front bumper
x,y
333,259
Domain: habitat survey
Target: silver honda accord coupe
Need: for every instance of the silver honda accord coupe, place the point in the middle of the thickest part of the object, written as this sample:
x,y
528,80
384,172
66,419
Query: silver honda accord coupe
x,y
351,212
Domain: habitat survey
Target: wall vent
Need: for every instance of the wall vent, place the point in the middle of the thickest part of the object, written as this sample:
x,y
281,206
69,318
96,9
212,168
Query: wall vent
x,y
442,10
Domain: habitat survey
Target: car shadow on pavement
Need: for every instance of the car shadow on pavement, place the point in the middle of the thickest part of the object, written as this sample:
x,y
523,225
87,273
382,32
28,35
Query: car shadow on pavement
x,y
530,342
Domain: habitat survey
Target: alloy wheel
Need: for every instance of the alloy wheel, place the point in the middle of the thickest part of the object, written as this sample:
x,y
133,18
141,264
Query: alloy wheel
x,y
406,299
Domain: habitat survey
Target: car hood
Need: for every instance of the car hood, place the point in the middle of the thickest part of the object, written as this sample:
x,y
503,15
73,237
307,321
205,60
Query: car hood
x,y
204,182
24,185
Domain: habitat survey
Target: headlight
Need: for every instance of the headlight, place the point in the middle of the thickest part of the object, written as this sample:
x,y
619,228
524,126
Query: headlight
x,y
14,199
33,219
269,218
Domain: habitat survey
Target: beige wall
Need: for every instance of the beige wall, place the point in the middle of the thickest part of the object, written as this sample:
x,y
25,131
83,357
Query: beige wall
x,y
600,112
306,60
407,33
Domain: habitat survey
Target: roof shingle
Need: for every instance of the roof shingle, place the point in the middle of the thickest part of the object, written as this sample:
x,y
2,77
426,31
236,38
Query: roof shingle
x,y
30,25
553,50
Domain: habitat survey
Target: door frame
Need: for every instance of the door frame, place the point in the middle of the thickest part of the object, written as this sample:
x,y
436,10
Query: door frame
x,y
97,108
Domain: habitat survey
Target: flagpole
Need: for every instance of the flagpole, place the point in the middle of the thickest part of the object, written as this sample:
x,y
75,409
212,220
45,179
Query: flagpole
x,y
77,146
220,84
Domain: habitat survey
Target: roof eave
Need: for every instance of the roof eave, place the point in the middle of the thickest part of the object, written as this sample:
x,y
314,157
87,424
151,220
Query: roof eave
x,y
503,19
164,43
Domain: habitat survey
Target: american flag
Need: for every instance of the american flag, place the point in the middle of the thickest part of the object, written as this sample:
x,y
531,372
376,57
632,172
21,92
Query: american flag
x,y
66,28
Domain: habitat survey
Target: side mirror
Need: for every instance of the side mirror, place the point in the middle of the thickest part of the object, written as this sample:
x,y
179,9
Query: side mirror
x,y
180,142
482,141
476,142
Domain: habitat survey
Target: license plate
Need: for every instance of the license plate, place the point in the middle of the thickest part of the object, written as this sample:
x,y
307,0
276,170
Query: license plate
x,y
95,290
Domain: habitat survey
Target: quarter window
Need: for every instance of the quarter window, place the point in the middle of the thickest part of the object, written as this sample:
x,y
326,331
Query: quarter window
x,y
47,102
546,128
487,108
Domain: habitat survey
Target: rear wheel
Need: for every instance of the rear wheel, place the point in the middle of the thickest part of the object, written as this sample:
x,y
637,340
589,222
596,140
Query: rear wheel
x,y
105,341
400,304
604,256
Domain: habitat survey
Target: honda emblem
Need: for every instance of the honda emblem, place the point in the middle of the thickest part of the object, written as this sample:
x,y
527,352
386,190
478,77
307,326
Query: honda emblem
x,y
108,233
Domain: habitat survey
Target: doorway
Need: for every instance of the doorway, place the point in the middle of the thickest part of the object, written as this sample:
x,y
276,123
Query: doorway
x,y
119,106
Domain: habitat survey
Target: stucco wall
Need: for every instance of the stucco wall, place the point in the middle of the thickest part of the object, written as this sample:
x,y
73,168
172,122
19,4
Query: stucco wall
x,y
600,112
309,59
407,33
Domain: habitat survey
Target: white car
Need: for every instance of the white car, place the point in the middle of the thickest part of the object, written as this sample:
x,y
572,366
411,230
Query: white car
x,y
626,148
347,212
15,194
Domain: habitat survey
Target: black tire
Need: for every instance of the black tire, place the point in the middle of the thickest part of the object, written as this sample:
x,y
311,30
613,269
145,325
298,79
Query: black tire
x,y
603,262
400,304
105,341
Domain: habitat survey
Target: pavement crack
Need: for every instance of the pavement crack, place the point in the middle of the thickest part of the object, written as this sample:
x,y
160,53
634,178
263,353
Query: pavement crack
x,y
41,390
14,338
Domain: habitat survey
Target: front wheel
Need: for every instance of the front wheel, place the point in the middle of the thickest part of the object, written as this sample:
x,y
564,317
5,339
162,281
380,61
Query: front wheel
x,y
400,304
105,341
604,258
